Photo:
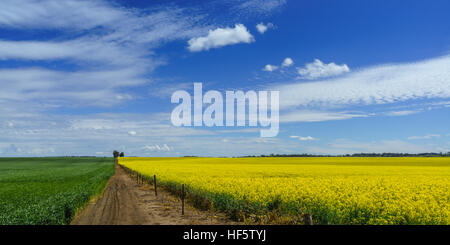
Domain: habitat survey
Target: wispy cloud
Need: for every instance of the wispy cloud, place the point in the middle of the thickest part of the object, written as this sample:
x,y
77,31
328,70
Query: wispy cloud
x,y
302,138
100,49
374,85
157,147
53,14
259,6
425,137
402,113
316,116
68,87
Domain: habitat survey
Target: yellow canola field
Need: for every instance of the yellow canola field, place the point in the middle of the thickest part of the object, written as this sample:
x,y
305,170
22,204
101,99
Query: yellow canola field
x,y
335,190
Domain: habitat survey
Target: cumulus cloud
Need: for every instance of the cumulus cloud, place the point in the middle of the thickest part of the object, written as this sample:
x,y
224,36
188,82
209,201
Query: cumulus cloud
x,y
318,69
287,62
261,27
132,133
270,68
374,85
221,37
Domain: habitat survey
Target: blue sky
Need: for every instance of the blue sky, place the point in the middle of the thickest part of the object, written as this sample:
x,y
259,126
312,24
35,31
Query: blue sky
x,y
88,77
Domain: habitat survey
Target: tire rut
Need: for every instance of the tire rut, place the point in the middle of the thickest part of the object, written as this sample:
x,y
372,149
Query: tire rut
x,y
124,202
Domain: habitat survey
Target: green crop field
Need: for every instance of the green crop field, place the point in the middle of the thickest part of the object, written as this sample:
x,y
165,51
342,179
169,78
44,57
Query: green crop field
x,y
49,190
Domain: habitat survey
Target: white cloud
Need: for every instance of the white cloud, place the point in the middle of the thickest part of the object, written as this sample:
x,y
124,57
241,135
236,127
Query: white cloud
x,y
316,116
261,27
249,7
81,51
118,23
402,113
111,47
53,14
41,151
157,147
132,133
318,69
67,87
88,134
307,138
374,85
287,62
270,68
221,37
425,137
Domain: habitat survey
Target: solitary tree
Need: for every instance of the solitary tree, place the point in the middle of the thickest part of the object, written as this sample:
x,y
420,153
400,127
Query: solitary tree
x,y
116,154
122,154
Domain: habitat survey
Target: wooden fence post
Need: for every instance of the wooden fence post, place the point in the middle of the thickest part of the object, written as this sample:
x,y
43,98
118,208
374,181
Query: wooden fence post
x,y
154,183
307,218
182,199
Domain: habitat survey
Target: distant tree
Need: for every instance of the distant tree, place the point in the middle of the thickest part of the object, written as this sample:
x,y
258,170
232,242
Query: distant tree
x,y
122,154
116,154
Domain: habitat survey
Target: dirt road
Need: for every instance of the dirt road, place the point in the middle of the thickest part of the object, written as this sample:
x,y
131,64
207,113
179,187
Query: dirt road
x,y
124,202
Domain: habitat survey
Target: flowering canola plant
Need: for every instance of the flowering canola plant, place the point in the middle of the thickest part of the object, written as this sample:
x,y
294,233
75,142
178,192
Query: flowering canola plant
x,y
335,190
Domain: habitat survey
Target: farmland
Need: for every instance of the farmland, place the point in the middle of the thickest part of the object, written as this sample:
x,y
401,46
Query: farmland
x,y
49,190
334,190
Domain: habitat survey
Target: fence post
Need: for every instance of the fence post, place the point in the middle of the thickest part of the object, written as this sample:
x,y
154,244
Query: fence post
x,y
182,199
307,218
154,183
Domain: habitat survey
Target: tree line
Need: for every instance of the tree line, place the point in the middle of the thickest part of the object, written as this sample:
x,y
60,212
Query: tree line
x,y
386,154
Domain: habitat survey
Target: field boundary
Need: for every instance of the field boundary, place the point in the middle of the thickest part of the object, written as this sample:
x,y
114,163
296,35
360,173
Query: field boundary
x,y
245,213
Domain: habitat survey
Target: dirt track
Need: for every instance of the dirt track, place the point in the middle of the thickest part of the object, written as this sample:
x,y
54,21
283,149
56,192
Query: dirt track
x,y
124,202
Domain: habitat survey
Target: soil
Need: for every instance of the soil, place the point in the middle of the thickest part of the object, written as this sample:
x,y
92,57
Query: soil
x,y
124,202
